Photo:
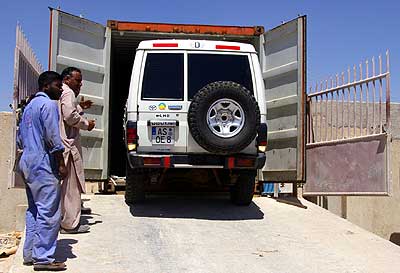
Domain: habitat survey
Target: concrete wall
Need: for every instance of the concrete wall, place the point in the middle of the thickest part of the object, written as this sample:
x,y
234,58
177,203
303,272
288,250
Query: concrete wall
x,y
10,199
380,215
13,200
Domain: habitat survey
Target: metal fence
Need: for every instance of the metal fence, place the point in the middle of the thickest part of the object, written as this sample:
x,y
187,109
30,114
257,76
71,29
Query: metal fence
x,y
351,105
27,68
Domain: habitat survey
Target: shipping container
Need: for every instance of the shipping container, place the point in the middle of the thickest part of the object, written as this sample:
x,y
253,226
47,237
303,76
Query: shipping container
x,y
105,54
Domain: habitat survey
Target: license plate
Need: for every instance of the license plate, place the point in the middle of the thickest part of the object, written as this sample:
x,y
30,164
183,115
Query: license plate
x,y
163,135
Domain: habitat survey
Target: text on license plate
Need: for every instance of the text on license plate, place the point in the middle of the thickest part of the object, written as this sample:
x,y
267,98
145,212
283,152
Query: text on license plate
x,y
163,135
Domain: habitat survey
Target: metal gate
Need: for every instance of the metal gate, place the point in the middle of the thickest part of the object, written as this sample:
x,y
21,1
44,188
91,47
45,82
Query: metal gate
x,y
27,69
348,137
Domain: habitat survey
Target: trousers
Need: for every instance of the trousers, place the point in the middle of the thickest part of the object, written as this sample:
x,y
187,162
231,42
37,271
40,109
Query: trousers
x,y
43,218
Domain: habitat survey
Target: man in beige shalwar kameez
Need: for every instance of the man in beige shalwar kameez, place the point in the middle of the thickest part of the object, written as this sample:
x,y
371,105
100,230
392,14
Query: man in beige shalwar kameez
x,y
72,122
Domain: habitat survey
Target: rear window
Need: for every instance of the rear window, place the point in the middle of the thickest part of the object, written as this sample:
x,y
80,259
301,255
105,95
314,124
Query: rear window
x,y
163,76
208,68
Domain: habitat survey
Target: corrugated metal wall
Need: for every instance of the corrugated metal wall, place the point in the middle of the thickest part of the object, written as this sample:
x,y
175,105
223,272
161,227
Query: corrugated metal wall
x,y
283,64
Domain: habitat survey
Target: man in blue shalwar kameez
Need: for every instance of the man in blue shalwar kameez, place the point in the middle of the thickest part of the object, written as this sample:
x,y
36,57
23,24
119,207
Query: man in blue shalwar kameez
x,y
42,166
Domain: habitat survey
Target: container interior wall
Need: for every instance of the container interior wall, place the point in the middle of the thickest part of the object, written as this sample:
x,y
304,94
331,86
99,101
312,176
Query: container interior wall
x,y
123,48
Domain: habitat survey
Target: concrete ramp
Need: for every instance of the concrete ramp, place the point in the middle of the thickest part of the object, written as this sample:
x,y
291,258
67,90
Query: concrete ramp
x,y
204,234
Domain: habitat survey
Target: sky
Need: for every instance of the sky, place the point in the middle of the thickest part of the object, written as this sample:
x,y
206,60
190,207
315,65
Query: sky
x,y
339,33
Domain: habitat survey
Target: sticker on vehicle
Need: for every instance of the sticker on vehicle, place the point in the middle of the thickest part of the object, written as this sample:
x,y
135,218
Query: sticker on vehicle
x,y
162,106
175,107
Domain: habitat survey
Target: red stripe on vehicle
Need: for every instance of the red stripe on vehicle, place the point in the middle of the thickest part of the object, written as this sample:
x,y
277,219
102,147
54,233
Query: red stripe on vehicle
x,y
227,47
231,162
165,45
167,162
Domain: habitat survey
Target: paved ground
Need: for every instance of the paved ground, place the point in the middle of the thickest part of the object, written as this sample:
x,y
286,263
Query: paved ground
x,y
197,234
5,263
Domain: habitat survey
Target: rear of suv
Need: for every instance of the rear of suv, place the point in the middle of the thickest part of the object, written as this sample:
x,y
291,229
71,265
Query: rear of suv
x,y
196,109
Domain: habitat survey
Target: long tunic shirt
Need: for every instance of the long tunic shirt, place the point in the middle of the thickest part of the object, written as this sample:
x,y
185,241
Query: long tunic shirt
x,y
70,124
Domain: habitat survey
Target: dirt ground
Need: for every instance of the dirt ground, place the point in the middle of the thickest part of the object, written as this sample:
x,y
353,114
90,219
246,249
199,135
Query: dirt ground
x,y
208,234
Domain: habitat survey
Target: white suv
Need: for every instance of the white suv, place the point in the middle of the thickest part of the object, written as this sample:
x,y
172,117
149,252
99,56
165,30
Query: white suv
x,y
196,109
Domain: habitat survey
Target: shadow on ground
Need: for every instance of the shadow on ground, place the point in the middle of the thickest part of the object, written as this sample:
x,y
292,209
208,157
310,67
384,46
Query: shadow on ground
x,y
87,220
395,238
291,200
206,208
64,249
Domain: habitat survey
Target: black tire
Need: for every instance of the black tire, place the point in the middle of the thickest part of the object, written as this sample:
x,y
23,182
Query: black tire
x,y
135,186
242,192
197,117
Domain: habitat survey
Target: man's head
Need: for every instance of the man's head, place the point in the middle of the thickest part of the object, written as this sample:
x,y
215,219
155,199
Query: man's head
x,y
50,82
72,77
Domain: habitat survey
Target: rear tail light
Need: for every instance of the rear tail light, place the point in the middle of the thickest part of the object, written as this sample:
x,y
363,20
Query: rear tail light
x,y
262,138
152,161
240,162
262,147
157,161
131,135
244,162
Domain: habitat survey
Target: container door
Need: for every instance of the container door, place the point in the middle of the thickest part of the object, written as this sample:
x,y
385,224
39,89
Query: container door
x,y
85,44
283,62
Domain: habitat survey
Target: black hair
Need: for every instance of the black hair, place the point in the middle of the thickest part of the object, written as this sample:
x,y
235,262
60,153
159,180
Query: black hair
x,y
48,77
68,71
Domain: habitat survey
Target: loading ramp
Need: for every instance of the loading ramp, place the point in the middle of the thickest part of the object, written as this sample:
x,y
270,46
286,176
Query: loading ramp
x,y
208,234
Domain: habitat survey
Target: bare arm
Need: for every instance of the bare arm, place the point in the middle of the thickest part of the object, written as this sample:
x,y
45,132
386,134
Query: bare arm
x,y
61,164
85,104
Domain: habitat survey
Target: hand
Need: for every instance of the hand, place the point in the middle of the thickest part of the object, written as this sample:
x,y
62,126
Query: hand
x,y
92,124
63,171
85,104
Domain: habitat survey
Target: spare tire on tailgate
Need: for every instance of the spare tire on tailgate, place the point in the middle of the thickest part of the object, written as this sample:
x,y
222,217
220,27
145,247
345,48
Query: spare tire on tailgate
x,y
224,117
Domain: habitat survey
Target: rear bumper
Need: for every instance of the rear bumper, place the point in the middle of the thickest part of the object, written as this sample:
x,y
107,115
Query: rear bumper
x,y
197,161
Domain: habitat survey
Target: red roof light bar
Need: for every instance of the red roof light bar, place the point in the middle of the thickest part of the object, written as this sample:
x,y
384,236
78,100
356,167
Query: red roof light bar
x,y
227,47
165,45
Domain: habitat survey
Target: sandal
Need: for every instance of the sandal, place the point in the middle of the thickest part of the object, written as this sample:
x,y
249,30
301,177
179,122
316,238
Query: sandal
x,y
54,266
